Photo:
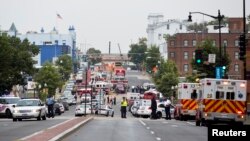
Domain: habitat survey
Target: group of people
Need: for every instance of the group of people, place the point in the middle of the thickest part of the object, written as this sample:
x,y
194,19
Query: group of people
x,y
167,105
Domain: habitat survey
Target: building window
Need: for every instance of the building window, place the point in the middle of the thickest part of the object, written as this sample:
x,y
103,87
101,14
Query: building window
x,y
185,55
167,26
236,55
194,55
225,43
172,54
214,43
159,36
236,43
185,68
236,67
180,26
185,43
194,43
172,43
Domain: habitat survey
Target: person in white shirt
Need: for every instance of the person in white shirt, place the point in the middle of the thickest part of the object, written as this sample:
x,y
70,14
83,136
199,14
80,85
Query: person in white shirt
x,y
167,109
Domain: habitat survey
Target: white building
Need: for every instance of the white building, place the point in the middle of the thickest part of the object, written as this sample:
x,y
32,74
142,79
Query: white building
x,y
50,43
158,30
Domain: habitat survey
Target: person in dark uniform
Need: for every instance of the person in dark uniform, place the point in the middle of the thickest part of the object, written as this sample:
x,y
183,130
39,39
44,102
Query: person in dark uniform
x,y
50,103
153,108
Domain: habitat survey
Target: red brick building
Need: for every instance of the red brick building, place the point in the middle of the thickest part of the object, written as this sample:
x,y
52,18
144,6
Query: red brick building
x,y
182,46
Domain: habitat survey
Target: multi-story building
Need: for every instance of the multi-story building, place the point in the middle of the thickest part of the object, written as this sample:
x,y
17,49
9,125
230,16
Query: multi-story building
x,y
182,46
158,30
51,44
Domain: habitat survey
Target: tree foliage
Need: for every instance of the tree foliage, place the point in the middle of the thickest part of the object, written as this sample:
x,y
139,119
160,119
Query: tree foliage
x,y
137,51
64,64
94,56
166,77
50,76
208,69
16,61
198,27
153,57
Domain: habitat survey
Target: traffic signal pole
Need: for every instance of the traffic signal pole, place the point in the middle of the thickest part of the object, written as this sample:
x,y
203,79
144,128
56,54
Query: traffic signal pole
x,y
244,32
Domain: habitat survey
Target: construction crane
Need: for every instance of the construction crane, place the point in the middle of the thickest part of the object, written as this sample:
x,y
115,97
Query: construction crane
x,y
122,60
120,52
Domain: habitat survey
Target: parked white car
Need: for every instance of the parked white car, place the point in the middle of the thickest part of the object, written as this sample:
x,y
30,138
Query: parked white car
x,y
80,109
29,108
106,110
144,109
6,106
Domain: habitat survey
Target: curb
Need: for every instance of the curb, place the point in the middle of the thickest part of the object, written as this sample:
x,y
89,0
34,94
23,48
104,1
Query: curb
x,y
70,130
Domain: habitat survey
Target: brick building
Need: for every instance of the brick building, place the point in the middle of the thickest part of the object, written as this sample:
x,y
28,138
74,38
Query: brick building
x,y
182,46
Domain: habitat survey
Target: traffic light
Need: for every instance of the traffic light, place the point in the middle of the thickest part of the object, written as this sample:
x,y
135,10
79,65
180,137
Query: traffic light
x,y
242,46
198,56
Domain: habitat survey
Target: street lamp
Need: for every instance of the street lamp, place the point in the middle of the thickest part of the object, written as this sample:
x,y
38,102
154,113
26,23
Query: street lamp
x,y
219,18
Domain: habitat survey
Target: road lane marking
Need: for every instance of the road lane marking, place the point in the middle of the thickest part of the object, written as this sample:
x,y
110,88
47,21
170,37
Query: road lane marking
x,y
157,138
152,132
29,136
142,122
60,123
191,123
165,122
36,133
174,125
148,128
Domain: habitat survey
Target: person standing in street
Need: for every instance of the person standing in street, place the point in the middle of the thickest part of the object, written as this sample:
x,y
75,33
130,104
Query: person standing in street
x,y
114,100
167,109
124,105
153,108
50,103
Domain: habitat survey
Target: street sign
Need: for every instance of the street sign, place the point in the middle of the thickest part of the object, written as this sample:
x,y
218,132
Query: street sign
x,y
218,72
211,58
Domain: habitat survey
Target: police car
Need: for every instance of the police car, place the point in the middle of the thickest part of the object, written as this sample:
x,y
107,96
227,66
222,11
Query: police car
x,y
6,105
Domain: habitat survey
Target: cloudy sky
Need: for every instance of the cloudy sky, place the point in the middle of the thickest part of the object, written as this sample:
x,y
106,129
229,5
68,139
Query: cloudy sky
x,y
99,21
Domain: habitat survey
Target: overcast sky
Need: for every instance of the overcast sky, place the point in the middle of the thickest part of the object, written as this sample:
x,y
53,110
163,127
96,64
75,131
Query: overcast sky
x,y
99,21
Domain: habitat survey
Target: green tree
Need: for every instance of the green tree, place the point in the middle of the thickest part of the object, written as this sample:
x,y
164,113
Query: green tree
x,y
208,69
64,64
198,27
153,58
16,61
137,52
50,76
94,56
166,77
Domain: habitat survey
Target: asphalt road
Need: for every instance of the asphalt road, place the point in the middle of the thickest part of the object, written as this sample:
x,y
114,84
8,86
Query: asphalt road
x,y
134,129
10,131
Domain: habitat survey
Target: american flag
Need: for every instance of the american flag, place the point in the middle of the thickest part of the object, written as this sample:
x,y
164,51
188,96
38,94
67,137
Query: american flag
x,y
58,16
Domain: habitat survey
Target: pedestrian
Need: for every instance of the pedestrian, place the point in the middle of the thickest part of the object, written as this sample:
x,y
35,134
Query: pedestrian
x,y
114,100
50,103
108,99
153,108
124,105
167,109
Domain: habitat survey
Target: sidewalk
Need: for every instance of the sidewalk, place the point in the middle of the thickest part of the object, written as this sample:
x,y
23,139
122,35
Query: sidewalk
x,y
58,131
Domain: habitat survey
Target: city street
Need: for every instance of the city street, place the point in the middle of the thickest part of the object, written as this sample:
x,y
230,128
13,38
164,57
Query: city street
x,y
10,131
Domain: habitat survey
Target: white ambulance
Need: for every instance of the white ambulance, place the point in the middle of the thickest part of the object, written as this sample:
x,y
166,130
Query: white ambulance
x,y
187,101
221,100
